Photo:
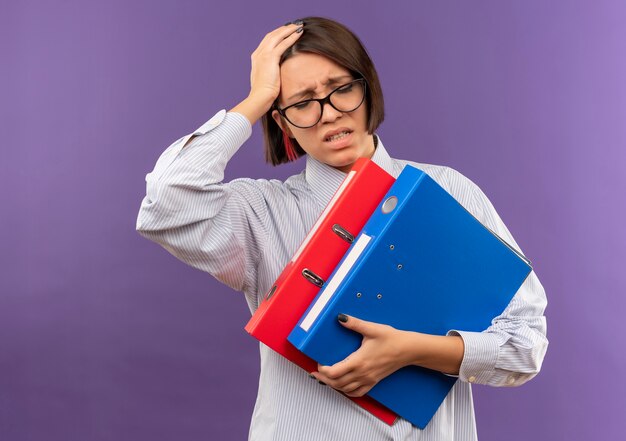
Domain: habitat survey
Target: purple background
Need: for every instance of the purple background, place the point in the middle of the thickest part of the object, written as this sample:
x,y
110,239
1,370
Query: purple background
x,y
103,335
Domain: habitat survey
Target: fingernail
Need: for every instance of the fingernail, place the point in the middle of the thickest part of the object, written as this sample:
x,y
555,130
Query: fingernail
x,y
299,29
298,22
321,382
342,318
312,376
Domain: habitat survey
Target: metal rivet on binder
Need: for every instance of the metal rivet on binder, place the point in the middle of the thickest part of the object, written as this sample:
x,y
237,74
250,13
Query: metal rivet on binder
x,y
391,247
358,294
271,292
390,204
343,233
379,296
312,277
399,266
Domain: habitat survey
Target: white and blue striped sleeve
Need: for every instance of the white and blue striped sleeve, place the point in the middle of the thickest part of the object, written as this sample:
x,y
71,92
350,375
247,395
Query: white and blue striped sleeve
x,y
511,351
214,226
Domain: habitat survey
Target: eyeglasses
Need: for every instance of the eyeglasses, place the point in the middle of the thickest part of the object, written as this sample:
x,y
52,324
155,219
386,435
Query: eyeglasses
x,y
307,113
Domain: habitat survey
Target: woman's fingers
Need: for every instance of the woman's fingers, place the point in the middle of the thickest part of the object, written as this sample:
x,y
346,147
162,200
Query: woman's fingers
x,y
265,70
340,382
278,36
353,388
359,392
289,40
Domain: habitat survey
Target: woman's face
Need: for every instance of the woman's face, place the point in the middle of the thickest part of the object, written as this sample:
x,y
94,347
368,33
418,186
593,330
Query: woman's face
x,y
306,76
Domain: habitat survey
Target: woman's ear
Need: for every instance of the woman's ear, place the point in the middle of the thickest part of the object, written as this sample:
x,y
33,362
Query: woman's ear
x,y
281,123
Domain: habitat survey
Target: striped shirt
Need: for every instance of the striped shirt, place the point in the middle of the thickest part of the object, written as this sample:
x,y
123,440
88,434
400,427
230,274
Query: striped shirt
x,y
245,231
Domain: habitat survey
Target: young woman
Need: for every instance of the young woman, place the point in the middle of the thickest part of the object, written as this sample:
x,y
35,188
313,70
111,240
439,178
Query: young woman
x,y
317,93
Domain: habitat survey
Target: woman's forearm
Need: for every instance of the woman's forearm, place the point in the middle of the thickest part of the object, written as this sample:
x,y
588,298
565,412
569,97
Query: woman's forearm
x,y
253,107
437,352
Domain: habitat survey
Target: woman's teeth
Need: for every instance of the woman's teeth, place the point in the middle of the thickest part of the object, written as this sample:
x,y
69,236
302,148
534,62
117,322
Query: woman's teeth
x,y
337,136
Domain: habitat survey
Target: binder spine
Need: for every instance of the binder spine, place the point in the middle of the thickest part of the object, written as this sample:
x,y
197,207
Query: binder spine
x,y
312,318
316,316
325,213
393,202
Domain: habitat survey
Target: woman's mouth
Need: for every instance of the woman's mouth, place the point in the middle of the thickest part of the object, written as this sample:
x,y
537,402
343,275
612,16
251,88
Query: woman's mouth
x,y
338,136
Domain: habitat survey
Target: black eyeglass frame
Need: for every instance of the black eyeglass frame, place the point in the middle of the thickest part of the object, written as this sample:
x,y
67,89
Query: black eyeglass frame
x,y
322,102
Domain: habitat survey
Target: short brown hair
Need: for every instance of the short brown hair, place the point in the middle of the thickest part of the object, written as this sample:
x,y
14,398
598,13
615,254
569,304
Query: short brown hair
x,y
326,37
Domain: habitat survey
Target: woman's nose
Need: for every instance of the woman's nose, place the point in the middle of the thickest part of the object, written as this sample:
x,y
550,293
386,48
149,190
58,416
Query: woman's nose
x,y
329,113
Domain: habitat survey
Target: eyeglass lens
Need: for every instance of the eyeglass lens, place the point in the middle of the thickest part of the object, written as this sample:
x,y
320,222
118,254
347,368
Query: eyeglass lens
x,y
346,98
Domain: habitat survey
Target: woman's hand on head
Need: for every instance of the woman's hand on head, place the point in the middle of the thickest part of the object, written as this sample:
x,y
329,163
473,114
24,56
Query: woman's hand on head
x,y
265,71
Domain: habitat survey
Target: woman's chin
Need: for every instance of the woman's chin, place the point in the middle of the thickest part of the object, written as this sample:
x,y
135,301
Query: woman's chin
x,y
343,159
345,164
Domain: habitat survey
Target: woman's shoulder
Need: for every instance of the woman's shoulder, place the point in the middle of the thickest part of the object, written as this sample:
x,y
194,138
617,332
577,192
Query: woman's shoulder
x,y
271,190
449,178
454,182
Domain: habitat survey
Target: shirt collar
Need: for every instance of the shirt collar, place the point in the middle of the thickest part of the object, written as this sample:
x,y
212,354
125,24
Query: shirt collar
x,y
324,180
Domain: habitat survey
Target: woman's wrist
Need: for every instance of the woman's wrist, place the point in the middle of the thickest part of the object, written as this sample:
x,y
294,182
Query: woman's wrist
x,y
437,352
253,107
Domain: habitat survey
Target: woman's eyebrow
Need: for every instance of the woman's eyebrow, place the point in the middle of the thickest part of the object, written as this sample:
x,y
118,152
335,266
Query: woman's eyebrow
x,y
310,90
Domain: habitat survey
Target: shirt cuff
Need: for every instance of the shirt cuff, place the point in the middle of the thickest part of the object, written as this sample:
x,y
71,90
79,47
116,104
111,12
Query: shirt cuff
x,y
480,356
